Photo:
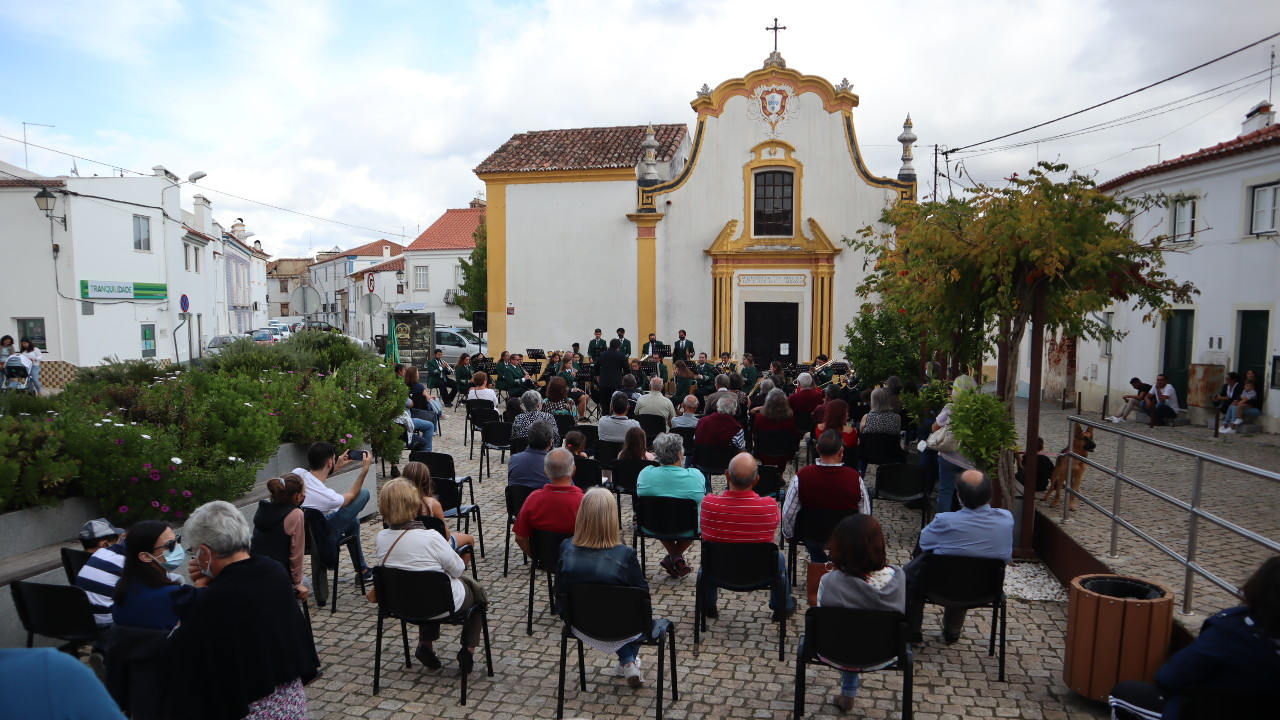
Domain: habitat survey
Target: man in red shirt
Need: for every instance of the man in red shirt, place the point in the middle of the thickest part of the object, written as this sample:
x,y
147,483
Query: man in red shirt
x,y
554,506
739,515
806,397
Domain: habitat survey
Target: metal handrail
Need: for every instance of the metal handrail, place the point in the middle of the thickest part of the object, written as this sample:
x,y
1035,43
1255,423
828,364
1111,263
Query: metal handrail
x,y
1194,512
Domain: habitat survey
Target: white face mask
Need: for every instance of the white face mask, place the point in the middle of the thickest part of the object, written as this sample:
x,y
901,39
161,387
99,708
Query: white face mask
x,y
207,570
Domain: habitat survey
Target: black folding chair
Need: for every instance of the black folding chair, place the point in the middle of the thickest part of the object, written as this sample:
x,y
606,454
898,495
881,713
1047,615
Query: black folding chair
x,y
613,613
62,612
607,452
519,444
420,596
739,567
565,424
493,436
662,518
592,434
450,497
72,560
714,459
902,482
625,475
775,444
686,434
479,418
472,406
813,527
770,482
432,522
441,467
958,582
516,495
804,427
880,449
319,567
587,473
545,547
653,426
846,638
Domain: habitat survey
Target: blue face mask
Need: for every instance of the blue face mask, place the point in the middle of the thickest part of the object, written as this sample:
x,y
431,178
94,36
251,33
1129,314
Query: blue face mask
x,y
173,559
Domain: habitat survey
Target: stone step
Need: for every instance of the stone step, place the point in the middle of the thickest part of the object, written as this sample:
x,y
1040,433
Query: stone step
x,y
1143,419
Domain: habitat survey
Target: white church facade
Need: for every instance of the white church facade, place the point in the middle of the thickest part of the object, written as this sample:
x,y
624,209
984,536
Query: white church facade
x,y
730,230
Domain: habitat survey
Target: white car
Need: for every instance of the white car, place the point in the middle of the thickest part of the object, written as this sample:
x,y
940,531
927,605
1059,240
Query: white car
x,y
455,341
217,342
282,332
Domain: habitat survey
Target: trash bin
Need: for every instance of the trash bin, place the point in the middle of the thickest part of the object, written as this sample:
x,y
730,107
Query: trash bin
x,y
1117,629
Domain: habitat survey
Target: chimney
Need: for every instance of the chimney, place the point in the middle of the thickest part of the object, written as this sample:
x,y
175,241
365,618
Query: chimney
x,y
386,251
204,214
237,229
477,203
1259,117
162,171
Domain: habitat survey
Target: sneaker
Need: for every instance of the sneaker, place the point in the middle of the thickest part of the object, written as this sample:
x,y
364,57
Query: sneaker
x,y
631,671
1117,419
427,657
668,563
1226,431
682,567
367,576
1238,422
844,702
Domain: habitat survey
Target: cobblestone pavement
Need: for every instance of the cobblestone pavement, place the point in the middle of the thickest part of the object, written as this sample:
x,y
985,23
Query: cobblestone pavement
x,y
735,672
1250,502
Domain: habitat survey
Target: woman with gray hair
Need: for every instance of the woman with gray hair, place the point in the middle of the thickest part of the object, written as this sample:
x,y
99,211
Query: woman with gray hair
x,y
758,397
672,479
775,416
531,403
242,649
881,418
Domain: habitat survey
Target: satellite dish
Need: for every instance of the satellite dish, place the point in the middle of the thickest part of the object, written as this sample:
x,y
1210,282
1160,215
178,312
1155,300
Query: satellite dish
x,y
305,300
369,304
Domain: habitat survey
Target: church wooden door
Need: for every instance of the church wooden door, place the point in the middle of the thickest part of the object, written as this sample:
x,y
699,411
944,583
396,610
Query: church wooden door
x,y
772,332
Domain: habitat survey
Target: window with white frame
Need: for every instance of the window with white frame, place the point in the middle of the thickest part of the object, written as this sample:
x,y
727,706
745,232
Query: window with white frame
x,y
195,258
457,275
422,277
141,232
1266,207
186,257
1184,220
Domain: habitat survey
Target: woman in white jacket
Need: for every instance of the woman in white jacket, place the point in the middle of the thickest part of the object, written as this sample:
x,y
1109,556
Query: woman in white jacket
x,y
32,352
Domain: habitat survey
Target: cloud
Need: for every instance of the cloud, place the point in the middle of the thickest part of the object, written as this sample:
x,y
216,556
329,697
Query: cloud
x,y
123,31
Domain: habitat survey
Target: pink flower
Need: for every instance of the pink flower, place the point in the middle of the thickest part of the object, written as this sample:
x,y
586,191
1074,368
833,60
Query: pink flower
x,y
186,493
133,480
178,514
146,466
155,476
123,509
350,435
173,467
343,441
118,441
173,491
155,503
164,508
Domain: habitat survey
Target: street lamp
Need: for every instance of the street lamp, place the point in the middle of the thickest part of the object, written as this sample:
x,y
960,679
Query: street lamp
x,y
399,276
46,200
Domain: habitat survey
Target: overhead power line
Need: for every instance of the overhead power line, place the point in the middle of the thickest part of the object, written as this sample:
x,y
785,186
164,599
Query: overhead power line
x,y
1119,97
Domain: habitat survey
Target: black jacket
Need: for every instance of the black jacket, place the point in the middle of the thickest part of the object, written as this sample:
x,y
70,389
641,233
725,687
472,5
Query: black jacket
x,y
610,366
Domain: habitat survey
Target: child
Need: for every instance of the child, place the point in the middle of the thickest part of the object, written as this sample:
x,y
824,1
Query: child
x,y
1247,406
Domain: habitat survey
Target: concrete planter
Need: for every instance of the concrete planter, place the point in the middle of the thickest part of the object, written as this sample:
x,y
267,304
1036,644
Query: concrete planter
x,y
30,528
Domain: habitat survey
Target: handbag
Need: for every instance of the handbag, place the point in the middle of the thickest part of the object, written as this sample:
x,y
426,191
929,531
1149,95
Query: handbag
x,y
372,595
942,440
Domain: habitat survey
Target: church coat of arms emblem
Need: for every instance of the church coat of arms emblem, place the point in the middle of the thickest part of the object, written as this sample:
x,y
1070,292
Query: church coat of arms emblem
x,y
775,104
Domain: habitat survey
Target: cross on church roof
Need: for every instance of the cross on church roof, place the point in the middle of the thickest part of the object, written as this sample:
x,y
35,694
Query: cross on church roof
x,y
775,30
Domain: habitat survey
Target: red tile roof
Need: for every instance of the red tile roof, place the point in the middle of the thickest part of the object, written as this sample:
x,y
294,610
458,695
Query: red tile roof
x,y
373,249
452,231
32,182
388,266
1256,140
580,149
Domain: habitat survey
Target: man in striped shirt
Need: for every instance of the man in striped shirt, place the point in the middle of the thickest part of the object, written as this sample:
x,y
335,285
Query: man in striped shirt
x,y
102,570
739,515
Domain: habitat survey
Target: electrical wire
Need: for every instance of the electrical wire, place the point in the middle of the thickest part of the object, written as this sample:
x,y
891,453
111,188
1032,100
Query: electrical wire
x,y
1120,97
213,190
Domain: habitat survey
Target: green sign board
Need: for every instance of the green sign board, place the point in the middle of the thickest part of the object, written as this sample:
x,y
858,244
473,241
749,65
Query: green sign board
x,y
112,289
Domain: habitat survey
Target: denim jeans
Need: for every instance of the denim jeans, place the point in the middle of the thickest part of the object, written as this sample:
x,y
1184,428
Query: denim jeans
x,y
779,595
1234,413
947,472
346,521
628,653
428,430
34,383
817,552
849,683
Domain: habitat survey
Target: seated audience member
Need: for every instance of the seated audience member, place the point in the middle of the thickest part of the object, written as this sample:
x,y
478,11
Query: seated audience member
x,y
739,515
552,507
975,530
1247,407
736,383
1136,401
148,587
775,416
422,402
531,403
241,626
406,544
655,403
629,385
614,427
576,443
595,555
1235,652
671,479
527,467
837,418
480,389
633,446
881,419
806,397
720,427
722,390
756,401
48,684
688,416
826,485
101,572
862,579
1044,467
280,530
558,400
513,409
342,511
418,474
829,393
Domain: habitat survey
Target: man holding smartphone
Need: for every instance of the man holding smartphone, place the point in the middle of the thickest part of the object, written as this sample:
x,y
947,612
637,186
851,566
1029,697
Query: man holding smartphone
x,y
342,511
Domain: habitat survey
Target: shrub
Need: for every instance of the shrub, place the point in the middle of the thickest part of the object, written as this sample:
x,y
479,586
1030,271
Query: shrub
x,y
984,428
324,351
882,343
930,398
115,371
33,469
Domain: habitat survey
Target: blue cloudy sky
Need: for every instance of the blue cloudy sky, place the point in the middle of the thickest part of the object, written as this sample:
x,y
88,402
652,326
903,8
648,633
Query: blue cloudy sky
x,y
373,113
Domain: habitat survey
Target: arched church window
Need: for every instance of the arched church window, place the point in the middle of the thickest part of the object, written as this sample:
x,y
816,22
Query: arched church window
x,y
774,200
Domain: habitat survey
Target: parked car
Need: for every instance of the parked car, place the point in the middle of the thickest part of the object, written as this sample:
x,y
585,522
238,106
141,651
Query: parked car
x,y
455,341
276,331
218,342
282,332
262,336
320,325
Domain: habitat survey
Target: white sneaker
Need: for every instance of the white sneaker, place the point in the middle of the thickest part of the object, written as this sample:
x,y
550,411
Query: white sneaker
x,y
1226,431
632,672
1238,422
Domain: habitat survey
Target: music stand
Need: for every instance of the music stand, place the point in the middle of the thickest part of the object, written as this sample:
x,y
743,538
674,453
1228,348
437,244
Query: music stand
x,y
664,351
839,368
586,373
535,354
648,367
532,366
485,367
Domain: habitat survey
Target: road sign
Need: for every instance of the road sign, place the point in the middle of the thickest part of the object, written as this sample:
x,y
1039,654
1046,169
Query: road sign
x,y
184,302
371,282
369,304
305,300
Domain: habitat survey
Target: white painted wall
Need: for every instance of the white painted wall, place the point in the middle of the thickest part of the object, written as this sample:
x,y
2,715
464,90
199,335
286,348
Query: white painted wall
x,y
444,273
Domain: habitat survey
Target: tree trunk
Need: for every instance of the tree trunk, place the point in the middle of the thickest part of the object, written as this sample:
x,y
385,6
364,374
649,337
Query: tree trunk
x,y
1011,345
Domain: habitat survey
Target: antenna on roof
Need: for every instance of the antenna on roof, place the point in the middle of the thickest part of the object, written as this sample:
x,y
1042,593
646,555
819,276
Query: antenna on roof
x,y
1271,71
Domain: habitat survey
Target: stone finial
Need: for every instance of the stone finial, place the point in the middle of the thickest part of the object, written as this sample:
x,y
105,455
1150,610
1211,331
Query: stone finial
x,y
907,138
775,60
704,91
650,161
844,86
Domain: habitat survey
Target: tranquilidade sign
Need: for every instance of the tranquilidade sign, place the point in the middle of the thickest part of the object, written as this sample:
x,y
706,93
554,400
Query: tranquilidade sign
x,y
123,290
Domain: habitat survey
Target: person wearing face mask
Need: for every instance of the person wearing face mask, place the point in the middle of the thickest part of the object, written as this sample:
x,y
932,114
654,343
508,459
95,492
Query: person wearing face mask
x,y
242,648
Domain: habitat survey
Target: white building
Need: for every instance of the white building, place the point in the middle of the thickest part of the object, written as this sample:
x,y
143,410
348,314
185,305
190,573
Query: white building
x,y
106,275
1226,233
284,275
332,276
731,231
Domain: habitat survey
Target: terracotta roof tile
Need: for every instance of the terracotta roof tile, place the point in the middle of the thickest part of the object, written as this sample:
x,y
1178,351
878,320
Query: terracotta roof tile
x,y
373,249
388,266
451,231
32,182
1256,140
580,149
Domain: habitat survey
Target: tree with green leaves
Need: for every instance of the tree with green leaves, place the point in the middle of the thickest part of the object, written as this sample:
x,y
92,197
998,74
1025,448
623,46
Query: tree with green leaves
x,y
474,292
882,342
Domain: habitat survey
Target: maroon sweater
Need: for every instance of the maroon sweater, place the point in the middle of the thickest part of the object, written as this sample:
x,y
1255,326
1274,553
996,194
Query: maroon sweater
x,y
716,429
825,487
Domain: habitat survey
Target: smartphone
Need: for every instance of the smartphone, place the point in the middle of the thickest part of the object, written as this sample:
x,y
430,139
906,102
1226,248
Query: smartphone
x,y
355,454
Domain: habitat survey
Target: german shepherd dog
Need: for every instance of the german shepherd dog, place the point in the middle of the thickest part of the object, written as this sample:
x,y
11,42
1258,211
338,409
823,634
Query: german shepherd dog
x,y
1082,444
